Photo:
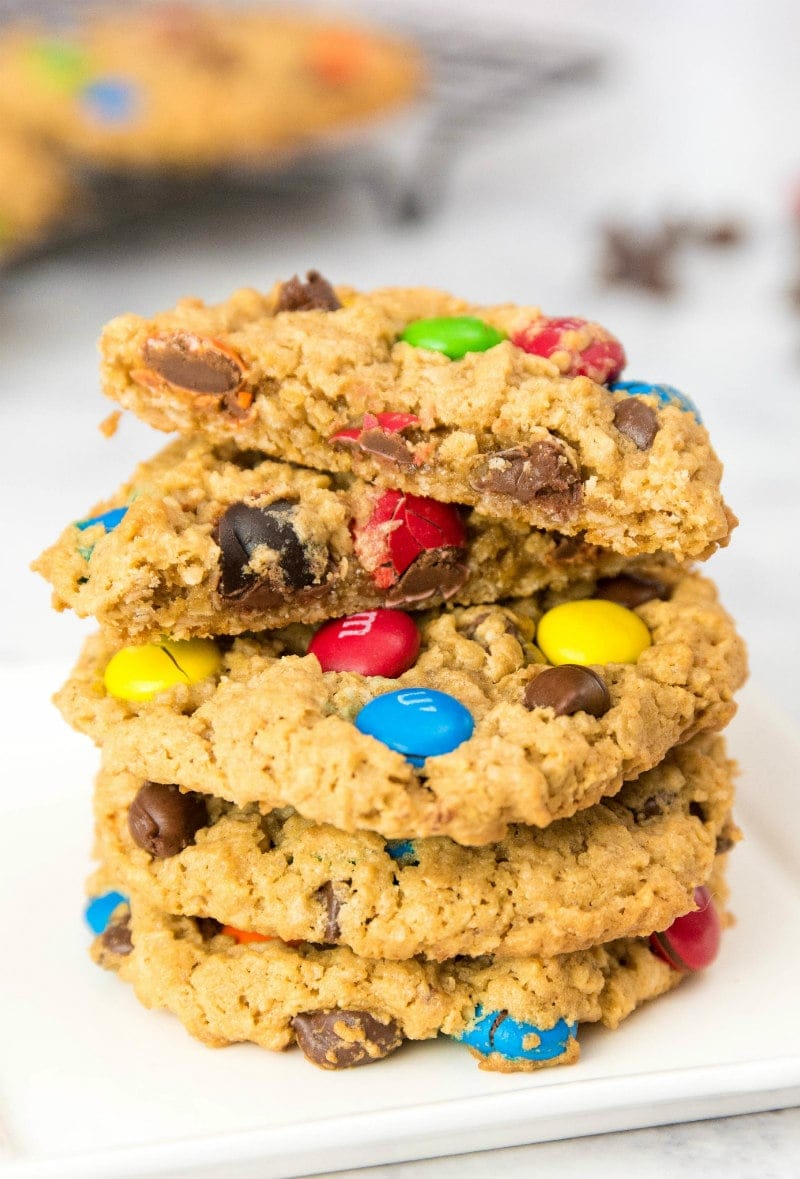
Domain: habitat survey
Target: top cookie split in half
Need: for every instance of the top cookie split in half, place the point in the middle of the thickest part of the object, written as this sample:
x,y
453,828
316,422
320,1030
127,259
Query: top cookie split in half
x,y
499,408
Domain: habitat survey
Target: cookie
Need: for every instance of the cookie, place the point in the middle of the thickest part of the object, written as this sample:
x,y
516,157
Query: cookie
x,y
38,196
618,869
499,408
185,86
210,540
515,1014
462,743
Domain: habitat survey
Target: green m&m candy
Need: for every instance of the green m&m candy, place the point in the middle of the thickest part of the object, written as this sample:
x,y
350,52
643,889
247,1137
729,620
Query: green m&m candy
x,y
454,335
63,64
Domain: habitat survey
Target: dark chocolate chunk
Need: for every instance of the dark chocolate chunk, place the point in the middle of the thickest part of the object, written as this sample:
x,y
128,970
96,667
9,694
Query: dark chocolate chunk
x,y
194,363
697,810
636,421
540,473
240,531
327,896
386,445
163,820
117,937
315,294
435,572
631,589
345,1039
568,689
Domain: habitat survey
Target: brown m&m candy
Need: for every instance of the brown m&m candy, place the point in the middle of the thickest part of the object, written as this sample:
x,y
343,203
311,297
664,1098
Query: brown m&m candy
x,y
568,689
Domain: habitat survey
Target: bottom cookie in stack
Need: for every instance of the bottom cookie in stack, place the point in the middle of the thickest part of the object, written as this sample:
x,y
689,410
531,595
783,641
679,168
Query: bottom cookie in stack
x,y
245,926
514,1014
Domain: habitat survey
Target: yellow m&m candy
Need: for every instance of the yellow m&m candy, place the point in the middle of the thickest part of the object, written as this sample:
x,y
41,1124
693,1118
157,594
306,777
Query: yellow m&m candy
x,y
592,631
139,673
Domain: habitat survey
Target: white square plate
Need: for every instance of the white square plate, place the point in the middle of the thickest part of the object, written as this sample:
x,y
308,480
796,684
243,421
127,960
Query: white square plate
x,y
92,1085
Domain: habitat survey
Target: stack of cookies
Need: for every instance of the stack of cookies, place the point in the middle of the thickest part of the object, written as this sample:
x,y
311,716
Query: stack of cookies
x,y
407,689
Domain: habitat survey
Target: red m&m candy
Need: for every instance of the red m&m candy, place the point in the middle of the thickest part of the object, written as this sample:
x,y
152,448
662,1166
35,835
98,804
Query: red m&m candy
x,y
692,941
400,528
578,348
376,642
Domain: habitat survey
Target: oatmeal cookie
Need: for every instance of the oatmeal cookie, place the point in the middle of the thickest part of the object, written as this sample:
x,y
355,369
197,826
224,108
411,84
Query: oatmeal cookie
x,y
515,1014
619,869
476,733
206,540
499,408
184,86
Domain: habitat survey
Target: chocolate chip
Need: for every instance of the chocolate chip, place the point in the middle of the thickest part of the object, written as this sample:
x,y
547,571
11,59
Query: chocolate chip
x,y
243,529
193,363
117,937
568,689
345,1039
434,572
208,927
653,806
631,590
723,845
385,445
163,820
540,473
638,259
636,421
326,895
315,294
697,811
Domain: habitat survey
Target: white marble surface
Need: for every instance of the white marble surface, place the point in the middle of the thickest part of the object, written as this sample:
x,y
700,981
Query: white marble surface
x,y
691,118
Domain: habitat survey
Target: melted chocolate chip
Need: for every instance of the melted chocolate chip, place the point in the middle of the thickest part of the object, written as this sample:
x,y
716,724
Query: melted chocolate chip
x,y
240,531
327,896
636,421
208,926
631,590
315,294
653,807
540,473
434,572
568,689
164,821
640,259
117,937
386,445
193,363
345,1039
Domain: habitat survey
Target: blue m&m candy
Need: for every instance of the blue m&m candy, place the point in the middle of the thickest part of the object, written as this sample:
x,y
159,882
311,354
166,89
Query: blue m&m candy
x,y
110,100
418,722
496,1032
402,850
99,909
666,394
109,520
